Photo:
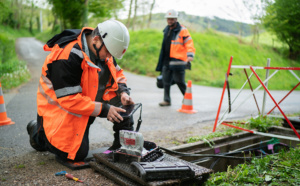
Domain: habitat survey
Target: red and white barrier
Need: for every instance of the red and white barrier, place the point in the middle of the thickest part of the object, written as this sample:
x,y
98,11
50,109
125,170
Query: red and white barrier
x,y
227,112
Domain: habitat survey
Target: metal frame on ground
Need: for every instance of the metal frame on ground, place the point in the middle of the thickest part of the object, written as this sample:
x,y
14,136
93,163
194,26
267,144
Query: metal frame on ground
x,y
263,84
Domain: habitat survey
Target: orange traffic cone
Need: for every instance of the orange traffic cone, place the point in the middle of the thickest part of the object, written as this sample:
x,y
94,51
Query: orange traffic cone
x,y
4,120
187,105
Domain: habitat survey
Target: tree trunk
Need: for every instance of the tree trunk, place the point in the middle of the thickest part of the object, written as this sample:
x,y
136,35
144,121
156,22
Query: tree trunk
x,y
134,17
64,25
85,13
54,24
129,14
150,14
20,15
38,26
31,17
16,14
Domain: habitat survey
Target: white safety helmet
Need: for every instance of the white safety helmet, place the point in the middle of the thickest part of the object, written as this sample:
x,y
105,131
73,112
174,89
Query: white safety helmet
x,y
115,37
171,14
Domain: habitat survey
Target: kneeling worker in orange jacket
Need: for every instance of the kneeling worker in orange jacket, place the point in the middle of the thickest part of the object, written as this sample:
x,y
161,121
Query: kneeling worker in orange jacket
x,y
80,81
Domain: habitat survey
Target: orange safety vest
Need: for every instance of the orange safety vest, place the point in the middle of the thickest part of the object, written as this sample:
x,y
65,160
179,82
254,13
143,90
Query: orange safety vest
x,y
182,46
65,118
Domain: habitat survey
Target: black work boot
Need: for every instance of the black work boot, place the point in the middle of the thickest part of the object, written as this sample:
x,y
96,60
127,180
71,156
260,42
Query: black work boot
x,y
116,144
32,131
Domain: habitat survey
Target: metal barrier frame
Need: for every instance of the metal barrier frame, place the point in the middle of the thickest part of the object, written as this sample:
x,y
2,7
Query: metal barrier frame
x,y
262,84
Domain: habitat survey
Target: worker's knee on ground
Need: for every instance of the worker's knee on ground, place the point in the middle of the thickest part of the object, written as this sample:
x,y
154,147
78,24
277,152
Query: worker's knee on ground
x,y
81,156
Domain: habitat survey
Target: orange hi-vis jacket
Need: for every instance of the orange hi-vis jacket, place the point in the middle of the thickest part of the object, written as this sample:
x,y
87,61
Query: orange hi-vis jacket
x,y
182,47
67,90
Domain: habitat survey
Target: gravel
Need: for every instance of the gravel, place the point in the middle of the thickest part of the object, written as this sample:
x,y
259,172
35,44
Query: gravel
x,y
39,168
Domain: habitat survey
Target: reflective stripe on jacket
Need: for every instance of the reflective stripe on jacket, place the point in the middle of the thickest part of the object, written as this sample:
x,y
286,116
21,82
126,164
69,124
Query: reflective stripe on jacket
x,y
182,46
67,90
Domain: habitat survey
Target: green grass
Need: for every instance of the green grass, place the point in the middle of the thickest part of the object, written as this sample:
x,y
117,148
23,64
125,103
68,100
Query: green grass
x,y
42,163
208,137
282,169
261,124
21,166
13,72
213,51
269,39
46,35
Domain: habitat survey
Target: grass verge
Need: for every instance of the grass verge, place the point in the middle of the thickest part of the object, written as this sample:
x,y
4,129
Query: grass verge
x,y
213,51
13,72
261,124
281,169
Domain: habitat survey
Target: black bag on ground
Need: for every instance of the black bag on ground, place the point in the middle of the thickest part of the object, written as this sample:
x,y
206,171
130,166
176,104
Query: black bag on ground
x,y
188,66
159,81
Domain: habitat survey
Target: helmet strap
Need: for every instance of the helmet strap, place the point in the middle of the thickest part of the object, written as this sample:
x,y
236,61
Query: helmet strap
x,y
98,50
174,25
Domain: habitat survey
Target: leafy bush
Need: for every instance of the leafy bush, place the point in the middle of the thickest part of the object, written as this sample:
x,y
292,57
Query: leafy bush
x,y
282,169
13,72
262,123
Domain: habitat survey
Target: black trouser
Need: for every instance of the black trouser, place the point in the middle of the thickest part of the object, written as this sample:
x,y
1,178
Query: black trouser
x,y
179,78
41,139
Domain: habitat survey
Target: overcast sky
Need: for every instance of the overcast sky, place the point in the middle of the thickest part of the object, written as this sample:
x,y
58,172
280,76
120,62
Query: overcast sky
x,y
226,9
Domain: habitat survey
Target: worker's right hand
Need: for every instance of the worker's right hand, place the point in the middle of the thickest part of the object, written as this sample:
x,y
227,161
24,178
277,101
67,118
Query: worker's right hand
x,y
113,114
189,59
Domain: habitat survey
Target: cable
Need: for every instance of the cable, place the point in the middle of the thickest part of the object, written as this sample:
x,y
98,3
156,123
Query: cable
x,y
221,155
203,155
224,153
214,163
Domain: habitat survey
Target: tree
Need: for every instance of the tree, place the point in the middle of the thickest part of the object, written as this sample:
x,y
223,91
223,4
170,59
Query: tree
x,y
104,8
256,10
74,13
129,14
4,11
70,12
238,13
150,14
18,14
85,13
135,13
282,18
32,15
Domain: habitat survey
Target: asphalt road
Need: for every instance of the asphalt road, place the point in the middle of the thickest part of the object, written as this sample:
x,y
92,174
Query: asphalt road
x,y
21,105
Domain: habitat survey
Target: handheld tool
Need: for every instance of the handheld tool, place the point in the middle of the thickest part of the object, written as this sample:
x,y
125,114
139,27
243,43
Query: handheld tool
x,y
71,177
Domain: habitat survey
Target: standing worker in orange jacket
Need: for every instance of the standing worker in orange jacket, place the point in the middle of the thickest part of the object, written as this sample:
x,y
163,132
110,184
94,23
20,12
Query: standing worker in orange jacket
x,y
80,81
177,50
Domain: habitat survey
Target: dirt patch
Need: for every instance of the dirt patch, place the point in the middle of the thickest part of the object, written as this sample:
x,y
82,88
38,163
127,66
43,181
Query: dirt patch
x,y
39,168
177,137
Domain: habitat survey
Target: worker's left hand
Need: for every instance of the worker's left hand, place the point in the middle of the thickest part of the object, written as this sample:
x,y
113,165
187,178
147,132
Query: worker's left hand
x,y
190,59
126,99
